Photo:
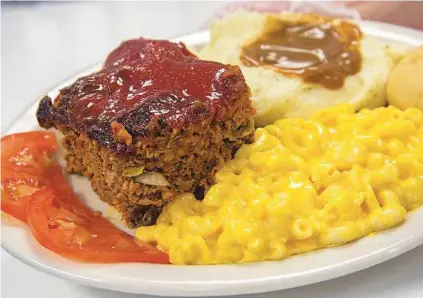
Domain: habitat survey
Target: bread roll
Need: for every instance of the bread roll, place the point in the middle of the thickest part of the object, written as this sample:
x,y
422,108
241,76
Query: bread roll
x,y
405,83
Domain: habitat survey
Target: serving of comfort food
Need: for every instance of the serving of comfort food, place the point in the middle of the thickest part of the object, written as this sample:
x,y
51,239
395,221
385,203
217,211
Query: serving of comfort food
x,y
303,184
296,64
322,147
34,190
154,122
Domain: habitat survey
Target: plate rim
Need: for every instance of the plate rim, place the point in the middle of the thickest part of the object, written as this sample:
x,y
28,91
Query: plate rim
x,y
231,287
253,285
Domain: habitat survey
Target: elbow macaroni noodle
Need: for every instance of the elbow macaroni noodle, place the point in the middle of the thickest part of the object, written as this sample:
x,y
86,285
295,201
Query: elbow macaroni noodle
x,y
303,184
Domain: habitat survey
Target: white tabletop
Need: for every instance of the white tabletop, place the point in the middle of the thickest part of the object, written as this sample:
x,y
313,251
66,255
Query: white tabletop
x,y
44,43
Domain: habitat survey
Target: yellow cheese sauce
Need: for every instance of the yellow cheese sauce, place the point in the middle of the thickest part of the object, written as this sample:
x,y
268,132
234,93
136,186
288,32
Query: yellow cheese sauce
x,y
303,184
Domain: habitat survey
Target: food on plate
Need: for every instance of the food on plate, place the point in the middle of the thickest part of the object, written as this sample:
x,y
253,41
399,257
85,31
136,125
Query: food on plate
x,y
26,166
35,191
154,122
66,226
397,51
303,184
169,141
405,84
296,64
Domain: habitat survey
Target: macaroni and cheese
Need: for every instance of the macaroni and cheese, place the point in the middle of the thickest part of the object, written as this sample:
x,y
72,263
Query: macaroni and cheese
x,y
303,184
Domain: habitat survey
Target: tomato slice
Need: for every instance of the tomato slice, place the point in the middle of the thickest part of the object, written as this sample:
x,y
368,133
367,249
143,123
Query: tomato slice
x,y
15,194
63,224
26,166
28,151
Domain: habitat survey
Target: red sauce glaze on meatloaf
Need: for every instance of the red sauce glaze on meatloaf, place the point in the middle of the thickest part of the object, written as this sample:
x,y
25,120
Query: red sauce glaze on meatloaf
x,y
146,85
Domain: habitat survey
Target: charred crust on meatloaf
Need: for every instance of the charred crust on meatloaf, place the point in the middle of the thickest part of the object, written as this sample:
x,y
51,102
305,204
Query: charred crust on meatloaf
x,y
44,115
144,216
150,87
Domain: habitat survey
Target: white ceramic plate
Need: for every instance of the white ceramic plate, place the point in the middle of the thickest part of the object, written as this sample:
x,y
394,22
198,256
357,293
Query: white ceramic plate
x,y
172,280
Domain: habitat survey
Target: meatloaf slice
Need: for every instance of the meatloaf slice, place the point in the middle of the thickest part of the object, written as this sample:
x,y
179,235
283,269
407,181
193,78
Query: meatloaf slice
x,y
154,122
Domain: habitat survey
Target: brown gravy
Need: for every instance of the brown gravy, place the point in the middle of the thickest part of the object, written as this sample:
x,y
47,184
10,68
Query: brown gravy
x,y
324,53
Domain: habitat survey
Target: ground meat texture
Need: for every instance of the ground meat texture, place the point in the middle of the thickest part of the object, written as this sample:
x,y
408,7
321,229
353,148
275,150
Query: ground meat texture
x,y
186,145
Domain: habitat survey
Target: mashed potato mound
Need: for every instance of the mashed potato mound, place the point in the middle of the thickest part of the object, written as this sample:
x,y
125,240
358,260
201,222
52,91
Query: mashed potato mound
x,y
276,95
